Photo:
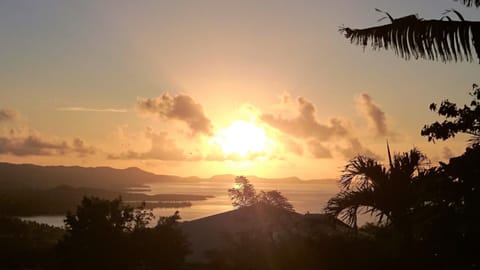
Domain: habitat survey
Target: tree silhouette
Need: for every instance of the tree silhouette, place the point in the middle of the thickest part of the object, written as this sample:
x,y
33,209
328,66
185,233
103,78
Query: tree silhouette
x,y
458,120
384,192
27,244
455,208
432,214
446,39
275,198
95,234
243,193
470,3
104,234
161,247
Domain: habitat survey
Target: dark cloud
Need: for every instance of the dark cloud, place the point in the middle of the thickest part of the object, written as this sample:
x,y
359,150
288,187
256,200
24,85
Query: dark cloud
x,y
79,147
355,148
318,149
33,145
20,143
305,124
373,113
179,107
7,115
162,148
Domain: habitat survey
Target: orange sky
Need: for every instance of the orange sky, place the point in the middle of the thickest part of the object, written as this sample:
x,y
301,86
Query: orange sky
x,y
214,87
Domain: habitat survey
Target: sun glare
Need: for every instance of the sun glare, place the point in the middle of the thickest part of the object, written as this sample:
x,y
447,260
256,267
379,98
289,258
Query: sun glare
x,y
243,138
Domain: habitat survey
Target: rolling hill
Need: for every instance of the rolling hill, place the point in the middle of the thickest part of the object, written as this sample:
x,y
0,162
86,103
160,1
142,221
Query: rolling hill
x,y
47,177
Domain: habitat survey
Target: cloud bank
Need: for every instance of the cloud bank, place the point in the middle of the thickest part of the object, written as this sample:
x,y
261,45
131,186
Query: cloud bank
x,y
86,109
305,124
321,139
8,115
34,145
178,107
26,142
162,148
307,127
373,113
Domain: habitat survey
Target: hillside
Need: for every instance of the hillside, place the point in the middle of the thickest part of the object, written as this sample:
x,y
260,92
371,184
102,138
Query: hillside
x,y
212,232
47,177
34,176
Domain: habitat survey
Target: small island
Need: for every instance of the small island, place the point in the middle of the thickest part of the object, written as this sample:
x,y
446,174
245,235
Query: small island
x,y
61,199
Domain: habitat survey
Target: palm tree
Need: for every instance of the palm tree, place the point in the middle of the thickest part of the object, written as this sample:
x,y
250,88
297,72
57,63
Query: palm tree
x,y
470,3
444,39
388,193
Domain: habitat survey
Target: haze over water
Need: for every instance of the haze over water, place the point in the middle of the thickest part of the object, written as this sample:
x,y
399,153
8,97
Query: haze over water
x,y
305,197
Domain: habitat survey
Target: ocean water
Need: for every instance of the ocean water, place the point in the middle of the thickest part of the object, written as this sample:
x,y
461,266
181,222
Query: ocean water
x,y
305,197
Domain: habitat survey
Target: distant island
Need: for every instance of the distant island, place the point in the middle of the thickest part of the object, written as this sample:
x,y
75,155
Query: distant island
x,y
60,200
48,177
31,190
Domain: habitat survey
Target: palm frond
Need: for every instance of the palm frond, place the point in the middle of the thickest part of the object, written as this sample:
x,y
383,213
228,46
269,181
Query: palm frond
x,y
470,3
409,162
413,37
389,156
474,140
362,171
346,204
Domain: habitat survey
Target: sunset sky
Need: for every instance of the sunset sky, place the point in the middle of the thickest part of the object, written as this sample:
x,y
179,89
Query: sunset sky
x,y
268,88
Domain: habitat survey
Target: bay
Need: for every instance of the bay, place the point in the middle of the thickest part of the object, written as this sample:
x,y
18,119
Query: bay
x,y
305,196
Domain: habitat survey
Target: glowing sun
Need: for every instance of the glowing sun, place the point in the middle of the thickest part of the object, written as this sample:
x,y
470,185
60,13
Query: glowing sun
x,y
243,138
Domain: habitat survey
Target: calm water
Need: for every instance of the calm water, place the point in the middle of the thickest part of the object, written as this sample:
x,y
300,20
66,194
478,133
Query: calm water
x,y
305,197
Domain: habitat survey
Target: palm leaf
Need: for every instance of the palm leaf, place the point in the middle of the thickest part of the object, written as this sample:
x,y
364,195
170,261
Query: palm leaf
x,y
409,162
413,37
470,3
362,172
346,204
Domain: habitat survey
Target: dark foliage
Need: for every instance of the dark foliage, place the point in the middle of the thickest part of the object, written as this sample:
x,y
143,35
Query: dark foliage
x,y
445,39
470,3
457,120
453,216
276,199
105,234
259,250
244,194
369,187
26,244
433,215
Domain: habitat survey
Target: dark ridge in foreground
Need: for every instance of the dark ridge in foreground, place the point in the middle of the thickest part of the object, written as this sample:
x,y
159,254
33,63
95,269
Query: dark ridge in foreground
x,y
212,232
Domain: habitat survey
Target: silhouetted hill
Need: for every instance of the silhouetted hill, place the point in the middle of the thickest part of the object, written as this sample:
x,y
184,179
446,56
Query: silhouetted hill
x,y
34,176
211,232
47,177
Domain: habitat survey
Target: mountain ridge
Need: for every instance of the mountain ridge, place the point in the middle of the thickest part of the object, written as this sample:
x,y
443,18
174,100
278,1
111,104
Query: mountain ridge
x,y
37,176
